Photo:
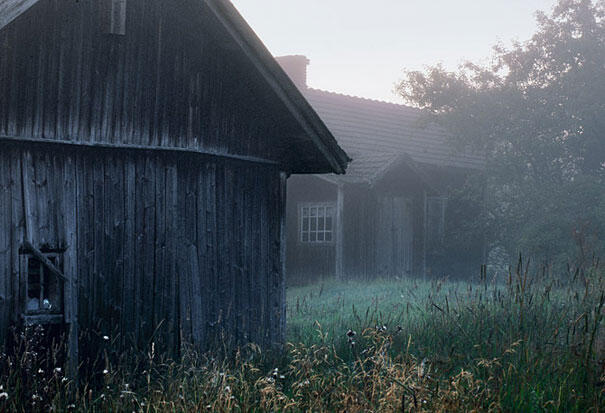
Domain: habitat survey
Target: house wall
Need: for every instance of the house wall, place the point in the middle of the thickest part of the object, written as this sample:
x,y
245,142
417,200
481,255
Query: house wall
x,y
160,247
368,251
307,262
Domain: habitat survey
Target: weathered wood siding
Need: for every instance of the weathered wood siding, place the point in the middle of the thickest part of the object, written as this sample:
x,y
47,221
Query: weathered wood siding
x,y
163,247
175,80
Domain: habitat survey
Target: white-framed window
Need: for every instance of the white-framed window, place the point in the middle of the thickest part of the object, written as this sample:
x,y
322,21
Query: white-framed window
x,y
317,223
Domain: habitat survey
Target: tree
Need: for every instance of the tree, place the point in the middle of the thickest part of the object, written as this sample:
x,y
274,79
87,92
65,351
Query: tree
x,y
538,115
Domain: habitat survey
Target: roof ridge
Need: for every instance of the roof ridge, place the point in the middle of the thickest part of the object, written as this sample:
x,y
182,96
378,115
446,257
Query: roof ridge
x,y
371,100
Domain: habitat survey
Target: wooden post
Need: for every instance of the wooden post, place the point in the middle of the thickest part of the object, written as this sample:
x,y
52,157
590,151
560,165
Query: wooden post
x,y
425,230
339,233
282,253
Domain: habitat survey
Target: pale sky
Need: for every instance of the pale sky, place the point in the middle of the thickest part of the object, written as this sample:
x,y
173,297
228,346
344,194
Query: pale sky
x,y
361,47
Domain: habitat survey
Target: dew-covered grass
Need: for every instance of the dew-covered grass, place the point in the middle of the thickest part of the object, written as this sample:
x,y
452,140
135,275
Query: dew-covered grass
x,y
527,340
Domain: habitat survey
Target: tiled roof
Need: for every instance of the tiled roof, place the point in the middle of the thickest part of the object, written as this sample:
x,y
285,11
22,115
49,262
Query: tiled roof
x,y
375,133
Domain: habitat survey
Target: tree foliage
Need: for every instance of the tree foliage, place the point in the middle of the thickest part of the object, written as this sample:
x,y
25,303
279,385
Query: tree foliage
x,y
537,113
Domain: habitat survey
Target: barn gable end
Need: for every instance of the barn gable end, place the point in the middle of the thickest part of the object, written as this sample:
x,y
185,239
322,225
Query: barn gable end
x,y
183,75
143,172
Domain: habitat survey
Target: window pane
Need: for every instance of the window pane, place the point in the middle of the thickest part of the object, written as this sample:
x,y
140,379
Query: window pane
x,y
328,225
329,211
320,224
313,237
314,224
313,211
305,212
305,224
305,237
328,236
320,236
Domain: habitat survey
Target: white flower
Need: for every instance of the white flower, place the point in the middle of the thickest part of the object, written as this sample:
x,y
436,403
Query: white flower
x,y
4,395
57,369
106,338
105,371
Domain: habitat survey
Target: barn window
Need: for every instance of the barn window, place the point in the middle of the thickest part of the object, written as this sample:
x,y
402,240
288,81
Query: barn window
x,y
115,17
44,290
317,223
435,213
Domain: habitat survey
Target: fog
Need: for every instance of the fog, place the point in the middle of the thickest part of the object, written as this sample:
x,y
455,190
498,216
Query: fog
x,y
318,206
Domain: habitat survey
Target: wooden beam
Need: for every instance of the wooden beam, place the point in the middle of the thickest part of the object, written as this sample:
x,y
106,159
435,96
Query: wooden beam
x,y
28,247
339,232
126,147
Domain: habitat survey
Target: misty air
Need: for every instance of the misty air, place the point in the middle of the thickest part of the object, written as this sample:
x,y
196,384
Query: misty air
x,y
302,206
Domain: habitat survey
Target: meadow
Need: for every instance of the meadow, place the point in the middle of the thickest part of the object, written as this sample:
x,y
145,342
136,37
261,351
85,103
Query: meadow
x,y
525,340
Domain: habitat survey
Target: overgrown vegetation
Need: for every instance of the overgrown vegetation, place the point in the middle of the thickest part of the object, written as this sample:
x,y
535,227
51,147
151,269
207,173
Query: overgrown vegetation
x,y
537,113
523,341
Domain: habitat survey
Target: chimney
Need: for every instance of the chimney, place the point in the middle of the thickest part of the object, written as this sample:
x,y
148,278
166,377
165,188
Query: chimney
x,y
296,67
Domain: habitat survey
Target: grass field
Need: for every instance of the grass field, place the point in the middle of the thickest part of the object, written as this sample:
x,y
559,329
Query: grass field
x,y
528,341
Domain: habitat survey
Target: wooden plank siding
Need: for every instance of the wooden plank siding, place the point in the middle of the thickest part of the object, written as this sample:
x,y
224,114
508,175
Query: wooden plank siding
x,y
162,85
160,248
154,158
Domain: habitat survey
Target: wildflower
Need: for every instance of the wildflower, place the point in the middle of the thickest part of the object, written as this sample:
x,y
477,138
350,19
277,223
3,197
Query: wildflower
x,y
105,371
106,338
351,333
4,396
57,369
40,371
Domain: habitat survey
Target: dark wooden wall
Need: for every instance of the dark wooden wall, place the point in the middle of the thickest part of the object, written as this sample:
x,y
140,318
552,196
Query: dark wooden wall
x,y
175,79
367,253
307,262
162,246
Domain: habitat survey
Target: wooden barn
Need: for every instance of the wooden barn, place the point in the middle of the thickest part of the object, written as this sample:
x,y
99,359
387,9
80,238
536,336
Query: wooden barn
x,y
144,151
392,213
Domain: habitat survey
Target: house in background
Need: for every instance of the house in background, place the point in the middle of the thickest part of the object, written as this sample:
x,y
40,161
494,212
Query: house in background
x,y
144,152
388,216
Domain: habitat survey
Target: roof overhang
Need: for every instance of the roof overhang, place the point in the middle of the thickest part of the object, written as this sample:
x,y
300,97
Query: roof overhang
x,y
11,9
280,83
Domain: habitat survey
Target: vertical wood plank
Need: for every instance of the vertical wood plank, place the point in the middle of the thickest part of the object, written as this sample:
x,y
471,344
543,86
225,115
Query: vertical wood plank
x,y
17,230
70,265
129,297
5,242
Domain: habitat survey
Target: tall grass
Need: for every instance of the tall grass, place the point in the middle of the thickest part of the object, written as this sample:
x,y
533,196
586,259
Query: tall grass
x,y
526,340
